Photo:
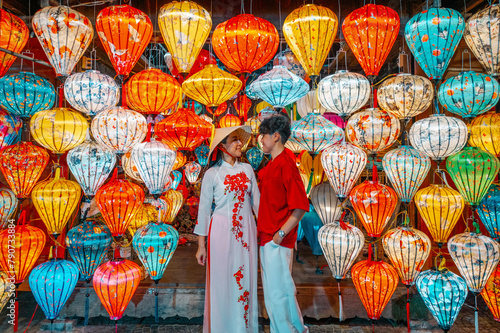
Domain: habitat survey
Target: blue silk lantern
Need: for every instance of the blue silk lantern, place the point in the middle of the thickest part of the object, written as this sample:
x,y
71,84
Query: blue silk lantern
x,y
255,156
91,164
52,284
176,179
433,36
88,243
469,94
155,244
489,211
202,154
406,168
9,128
23,94
443,293
278,87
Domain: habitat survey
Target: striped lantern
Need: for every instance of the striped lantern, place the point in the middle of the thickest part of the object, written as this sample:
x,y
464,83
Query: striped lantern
x,y
130,168
491,293
144,215
489,211
8,205
192,170
326,203
176,200
312,168
229,120
485,132
14,35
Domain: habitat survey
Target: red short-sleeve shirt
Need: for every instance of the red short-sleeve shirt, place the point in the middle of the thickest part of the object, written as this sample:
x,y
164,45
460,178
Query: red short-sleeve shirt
x,y
281,192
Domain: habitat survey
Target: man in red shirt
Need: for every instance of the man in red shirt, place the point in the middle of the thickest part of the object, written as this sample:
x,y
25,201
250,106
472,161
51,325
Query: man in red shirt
x,y
283,202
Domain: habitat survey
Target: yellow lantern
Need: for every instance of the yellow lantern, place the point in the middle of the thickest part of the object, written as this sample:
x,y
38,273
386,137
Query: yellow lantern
x,y
307,164
180,160
145,214
211,86
440,207
254,124
229,120
185,26
59,129
485,132
55,200
310,31
261,106
175,200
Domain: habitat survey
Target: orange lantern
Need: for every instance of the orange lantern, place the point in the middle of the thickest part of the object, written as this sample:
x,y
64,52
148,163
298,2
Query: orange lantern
x,y
118,201
124,32
370,32
374,204
375,282
220,109
180,160
491,293
175,201
152,91
245,43
183,130
13,36
229,120
242,104
22,165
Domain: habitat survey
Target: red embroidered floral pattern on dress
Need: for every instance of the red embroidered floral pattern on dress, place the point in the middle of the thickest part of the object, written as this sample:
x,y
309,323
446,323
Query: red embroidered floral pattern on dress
x,y
238,276
244,298
238,184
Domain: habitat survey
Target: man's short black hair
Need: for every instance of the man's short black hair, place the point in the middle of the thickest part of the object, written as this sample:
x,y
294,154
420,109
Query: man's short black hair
x,y
276,124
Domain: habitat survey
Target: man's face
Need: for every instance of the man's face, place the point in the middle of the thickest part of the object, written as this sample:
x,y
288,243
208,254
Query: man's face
x,y
268,141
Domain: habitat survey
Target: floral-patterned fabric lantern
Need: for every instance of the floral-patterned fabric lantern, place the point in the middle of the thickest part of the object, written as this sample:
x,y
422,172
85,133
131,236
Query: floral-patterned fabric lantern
x,y
405,95
406,168
489,211
473,170
176,179
485,132
154,161
476,257
255,156
314,133
23,94
310,31
491,293
278,87
310,103
408,250
91,92
124,32
469,94
451,131
192,170
9,128
115,282
326,203
482,39
343,164
183,130
90,163
118,201
22,165
245,43
375,282
55,200
344,92
373,130
211,86
152,91
370,32
52,284
119,129
184,26
130,168
202,154
440,207
58,130
14,35
176,200
444,293
64,35
8,205
289,60
229,120
433,36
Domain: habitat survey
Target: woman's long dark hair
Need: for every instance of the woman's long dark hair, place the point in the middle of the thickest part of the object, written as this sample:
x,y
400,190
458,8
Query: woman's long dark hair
x,y
219,155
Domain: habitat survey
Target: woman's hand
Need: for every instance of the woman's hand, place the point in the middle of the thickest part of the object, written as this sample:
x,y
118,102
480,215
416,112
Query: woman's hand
x,y
201,255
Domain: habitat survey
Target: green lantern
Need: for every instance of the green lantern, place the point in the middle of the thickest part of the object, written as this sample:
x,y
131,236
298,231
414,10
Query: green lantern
x,y
473,170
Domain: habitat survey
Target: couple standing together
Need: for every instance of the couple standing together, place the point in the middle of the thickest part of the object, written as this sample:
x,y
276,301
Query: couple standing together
x,y
229,193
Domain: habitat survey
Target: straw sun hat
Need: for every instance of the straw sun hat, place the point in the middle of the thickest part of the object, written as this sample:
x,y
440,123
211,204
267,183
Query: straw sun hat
x,y
244,133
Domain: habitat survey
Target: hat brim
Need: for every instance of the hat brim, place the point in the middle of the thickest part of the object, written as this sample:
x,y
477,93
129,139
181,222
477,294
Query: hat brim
x,y
244,133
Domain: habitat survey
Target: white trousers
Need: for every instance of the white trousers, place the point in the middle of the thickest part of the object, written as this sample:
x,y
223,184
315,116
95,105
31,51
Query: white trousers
x,y
279,289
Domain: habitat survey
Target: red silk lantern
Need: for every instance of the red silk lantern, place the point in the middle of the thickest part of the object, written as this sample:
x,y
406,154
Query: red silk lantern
x,y
242,104
124,32
22,165
491,293
375,282
220,109
115,282
152,91
370,32
13,36
118,201
204,58
229,120
183,130
245,43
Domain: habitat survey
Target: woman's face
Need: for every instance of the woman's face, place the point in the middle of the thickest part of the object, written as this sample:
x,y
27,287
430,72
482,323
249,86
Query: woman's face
x,y
233,145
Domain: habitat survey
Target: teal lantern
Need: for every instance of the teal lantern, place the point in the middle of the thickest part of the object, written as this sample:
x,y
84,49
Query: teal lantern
x,y
433,36
202,154
469,94
489,211
52,284
255,157
23,94
155,244
176,179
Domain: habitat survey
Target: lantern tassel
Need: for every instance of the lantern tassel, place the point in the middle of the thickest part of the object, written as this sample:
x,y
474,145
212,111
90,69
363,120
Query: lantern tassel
x,y
341,304
476,319
86,321
156,302
311,175
408,308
